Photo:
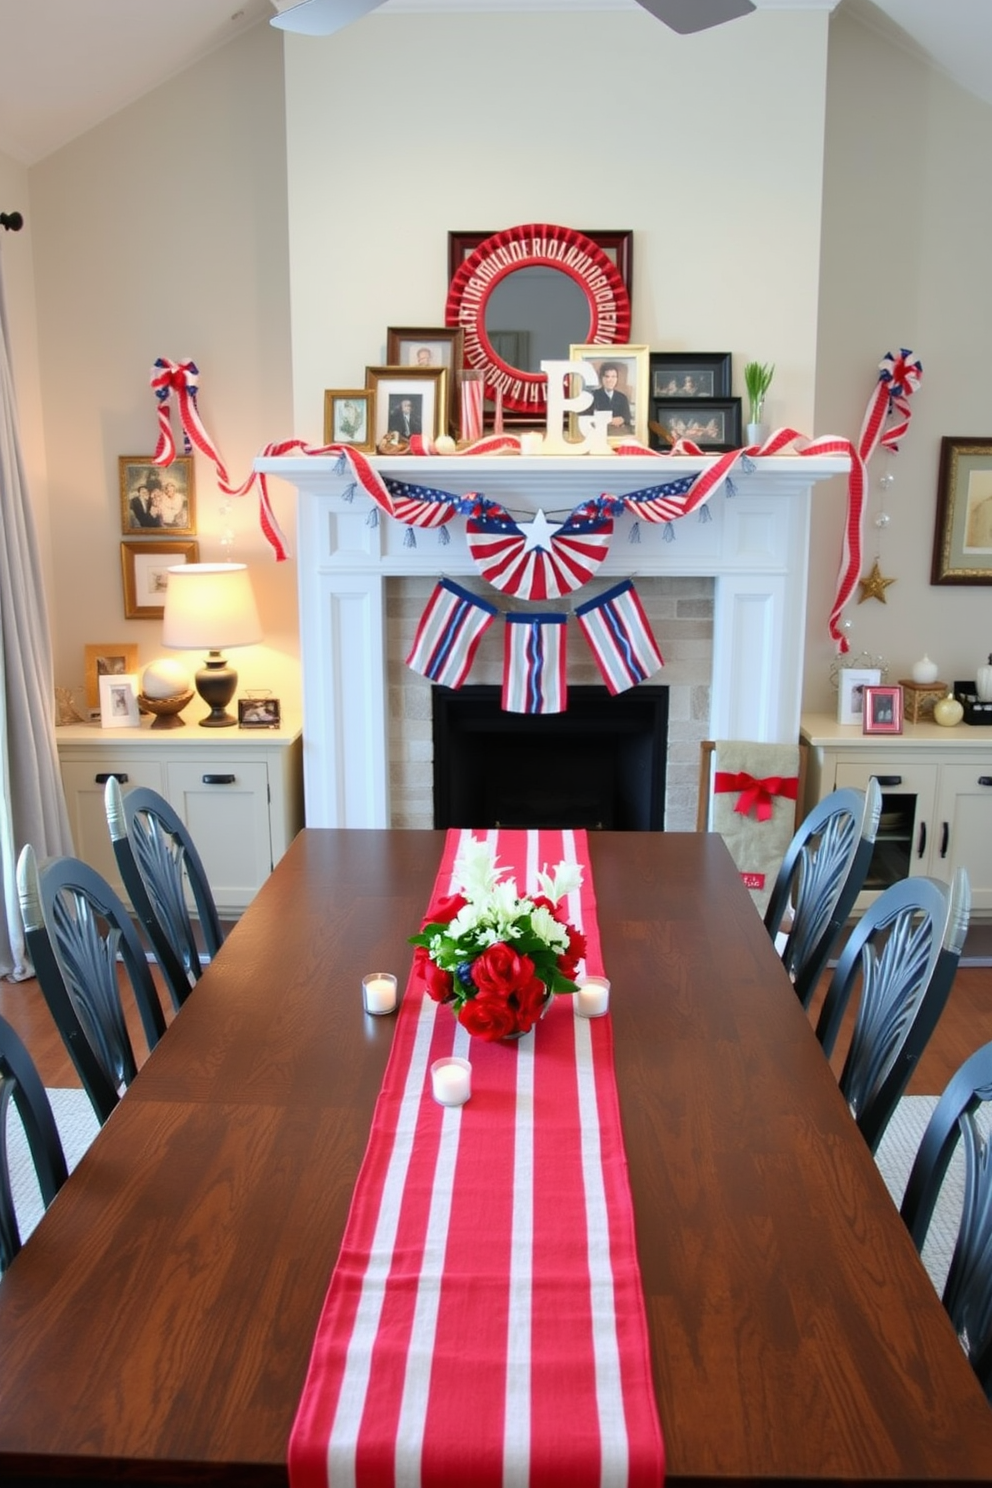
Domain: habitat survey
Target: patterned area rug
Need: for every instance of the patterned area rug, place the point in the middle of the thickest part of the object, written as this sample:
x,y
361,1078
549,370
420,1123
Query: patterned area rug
x,y
77,1124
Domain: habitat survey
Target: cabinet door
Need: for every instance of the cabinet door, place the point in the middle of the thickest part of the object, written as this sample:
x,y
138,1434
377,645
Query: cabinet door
x,y
225,805
84,781
963,828
905,830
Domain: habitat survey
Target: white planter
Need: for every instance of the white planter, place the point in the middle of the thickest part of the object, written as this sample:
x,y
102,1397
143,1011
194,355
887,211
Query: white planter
x,y
757,433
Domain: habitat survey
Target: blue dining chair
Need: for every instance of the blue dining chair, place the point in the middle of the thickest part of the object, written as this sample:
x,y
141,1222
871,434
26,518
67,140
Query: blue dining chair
x,y
20,1082
821,875
967,1294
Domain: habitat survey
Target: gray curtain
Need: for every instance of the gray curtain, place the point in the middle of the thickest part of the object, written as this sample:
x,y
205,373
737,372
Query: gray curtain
x,y
32,806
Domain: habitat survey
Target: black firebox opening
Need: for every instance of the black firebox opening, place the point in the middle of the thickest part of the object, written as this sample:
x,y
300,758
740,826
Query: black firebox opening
x,y
600,765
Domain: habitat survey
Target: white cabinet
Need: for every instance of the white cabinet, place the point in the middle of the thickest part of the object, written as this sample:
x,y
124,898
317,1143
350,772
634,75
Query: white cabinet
x,y
239,791
936,798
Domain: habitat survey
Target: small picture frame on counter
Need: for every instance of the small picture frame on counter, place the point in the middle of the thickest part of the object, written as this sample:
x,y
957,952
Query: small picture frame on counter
x,y
259,711
119,700
883,710
851,692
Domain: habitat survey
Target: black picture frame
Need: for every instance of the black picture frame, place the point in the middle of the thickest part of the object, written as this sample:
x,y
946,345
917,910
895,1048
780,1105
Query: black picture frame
x,y
710,369
259,713
712,423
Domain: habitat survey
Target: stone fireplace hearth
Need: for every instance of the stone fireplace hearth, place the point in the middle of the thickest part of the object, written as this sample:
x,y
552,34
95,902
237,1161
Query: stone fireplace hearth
x,y
743,556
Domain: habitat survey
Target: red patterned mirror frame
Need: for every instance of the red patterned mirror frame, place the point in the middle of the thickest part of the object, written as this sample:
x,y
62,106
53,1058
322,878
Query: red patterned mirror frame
x,y
530,246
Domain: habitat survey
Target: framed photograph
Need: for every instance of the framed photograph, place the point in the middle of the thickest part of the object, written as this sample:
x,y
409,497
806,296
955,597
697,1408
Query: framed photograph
x,y
851,685
156,498
962,540
407,400
616,243
883,711
114,659
348,417
429,346
259,712
690,374
145,570
119,701
623,387
714,423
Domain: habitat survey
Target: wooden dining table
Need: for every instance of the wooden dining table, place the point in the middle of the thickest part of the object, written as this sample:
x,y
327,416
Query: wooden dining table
x,y
156,1328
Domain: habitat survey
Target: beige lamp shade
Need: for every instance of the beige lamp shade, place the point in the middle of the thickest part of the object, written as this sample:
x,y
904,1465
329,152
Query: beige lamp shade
x,y
210,607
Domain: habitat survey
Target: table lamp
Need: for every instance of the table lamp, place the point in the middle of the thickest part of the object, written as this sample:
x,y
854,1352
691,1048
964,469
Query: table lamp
x,y
211,606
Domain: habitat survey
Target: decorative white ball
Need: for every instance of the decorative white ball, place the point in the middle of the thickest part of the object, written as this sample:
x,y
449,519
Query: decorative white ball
x,y
165,678
925,670
445,445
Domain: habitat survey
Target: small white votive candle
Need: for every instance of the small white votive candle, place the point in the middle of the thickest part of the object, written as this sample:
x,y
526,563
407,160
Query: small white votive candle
x,y
592,999
924,671
451,1081
531,443
379,992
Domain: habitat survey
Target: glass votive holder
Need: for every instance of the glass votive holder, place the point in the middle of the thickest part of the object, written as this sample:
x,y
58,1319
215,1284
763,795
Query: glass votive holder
x,y
451,1081
379,992
592,999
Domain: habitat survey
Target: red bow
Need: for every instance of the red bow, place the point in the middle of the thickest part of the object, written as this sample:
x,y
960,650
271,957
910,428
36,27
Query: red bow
x,y
756,793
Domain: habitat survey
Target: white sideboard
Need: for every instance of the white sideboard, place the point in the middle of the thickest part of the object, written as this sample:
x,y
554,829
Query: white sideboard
x,y
936,798
754,543
239,791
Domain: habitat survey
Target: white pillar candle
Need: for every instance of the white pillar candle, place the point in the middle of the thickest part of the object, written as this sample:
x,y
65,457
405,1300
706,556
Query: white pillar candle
x,y
379,992
924,671
531,442
592,999
451,1081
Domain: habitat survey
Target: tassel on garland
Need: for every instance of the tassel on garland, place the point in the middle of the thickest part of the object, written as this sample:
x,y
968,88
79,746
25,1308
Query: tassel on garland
x,y
372,520
341,465
730,490
409,538
747,465
635,533
705,515
348,494
669,533
443,537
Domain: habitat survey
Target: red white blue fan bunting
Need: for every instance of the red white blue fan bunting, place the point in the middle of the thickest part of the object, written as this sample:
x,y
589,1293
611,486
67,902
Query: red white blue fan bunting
x,y
538,559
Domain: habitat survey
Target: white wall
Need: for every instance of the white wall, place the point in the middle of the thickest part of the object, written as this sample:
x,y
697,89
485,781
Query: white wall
x,y
905,262
162,232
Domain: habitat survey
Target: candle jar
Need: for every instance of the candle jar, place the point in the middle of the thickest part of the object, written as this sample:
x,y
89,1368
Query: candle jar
x,y
451,1081
379,992
592,999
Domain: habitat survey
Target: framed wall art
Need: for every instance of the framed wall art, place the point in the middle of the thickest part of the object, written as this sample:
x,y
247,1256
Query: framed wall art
x,y
156,498
348,417
623,387
114,659
429,346
119,701
144,568
407,400
851,684
255,711
883,710
690,374
962,542
712,423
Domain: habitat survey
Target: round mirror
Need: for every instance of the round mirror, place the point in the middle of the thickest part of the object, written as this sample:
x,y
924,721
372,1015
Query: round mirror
x,y
536,314
501,296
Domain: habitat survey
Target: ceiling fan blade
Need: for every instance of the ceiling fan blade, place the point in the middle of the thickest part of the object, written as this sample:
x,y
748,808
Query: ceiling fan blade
x,y
686,16
322,17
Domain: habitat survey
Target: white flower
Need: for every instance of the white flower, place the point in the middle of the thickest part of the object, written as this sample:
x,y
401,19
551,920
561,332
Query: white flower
x,y
475,872
547,928
465,921
566,878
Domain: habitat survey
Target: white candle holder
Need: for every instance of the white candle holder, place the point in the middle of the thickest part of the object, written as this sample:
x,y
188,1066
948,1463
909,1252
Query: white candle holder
x,y
379,993
451,1081
592,999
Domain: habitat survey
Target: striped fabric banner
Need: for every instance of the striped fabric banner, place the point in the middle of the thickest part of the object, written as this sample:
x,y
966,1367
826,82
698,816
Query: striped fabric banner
x,y
620,637
485,1325
534,664
449,633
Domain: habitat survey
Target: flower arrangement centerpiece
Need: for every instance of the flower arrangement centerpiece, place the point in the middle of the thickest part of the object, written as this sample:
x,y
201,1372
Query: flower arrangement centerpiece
x,y
498,957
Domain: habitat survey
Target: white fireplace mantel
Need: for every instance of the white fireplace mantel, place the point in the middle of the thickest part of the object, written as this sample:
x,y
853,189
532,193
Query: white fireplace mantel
x,y
754,543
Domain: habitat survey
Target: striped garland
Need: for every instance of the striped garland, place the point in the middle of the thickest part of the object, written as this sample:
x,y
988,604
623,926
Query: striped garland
x,y
620,637
534,664
449,633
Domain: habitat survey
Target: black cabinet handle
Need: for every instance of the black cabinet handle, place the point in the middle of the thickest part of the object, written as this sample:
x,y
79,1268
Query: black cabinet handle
x,y
119,775
944,838
921,849
889,782
219,779
985,779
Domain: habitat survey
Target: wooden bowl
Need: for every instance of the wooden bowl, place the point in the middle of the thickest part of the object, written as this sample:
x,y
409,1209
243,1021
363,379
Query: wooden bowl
x,y
166,710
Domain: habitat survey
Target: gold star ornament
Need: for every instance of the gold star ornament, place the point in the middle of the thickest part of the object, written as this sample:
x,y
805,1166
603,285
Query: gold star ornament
x,y
874,586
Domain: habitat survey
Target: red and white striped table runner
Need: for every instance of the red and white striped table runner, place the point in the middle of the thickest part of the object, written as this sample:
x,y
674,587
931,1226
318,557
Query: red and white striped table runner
x,y
484,1326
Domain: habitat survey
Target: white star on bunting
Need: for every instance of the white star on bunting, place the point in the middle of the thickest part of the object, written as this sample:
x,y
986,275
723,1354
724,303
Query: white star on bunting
x,y
539,532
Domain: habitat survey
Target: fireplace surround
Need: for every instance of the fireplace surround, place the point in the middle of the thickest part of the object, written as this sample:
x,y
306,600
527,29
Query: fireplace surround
x,y
752,543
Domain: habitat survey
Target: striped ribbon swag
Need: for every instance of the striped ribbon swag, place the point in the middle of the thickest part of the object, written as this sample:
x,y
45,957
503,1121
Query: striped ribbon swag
x,y
449,633
620,637
534,664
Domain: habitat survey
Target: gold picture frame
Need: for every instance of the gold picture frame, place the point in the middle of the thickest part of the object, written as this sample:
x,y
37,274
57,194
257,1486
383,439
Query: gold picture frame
x,y
113,659
962,541
632,387
157,498
425,388
143,566
443,346
348,415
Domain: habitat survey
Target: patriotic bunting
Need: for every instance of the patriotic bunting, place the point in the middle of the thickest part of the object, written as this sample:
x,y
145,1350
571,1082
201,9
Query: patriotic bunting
x,y
449,633
534,664
620,637
538,559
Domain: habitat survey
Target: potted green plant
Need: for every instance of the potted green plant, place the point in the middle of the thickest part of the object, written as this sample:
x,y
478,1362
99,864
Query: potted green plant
x,y
757,380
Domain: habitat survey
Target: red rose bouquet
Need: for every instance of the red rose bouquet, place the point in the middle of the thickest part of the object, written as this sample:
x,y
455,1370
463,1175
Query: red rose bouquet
x,y
494,955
